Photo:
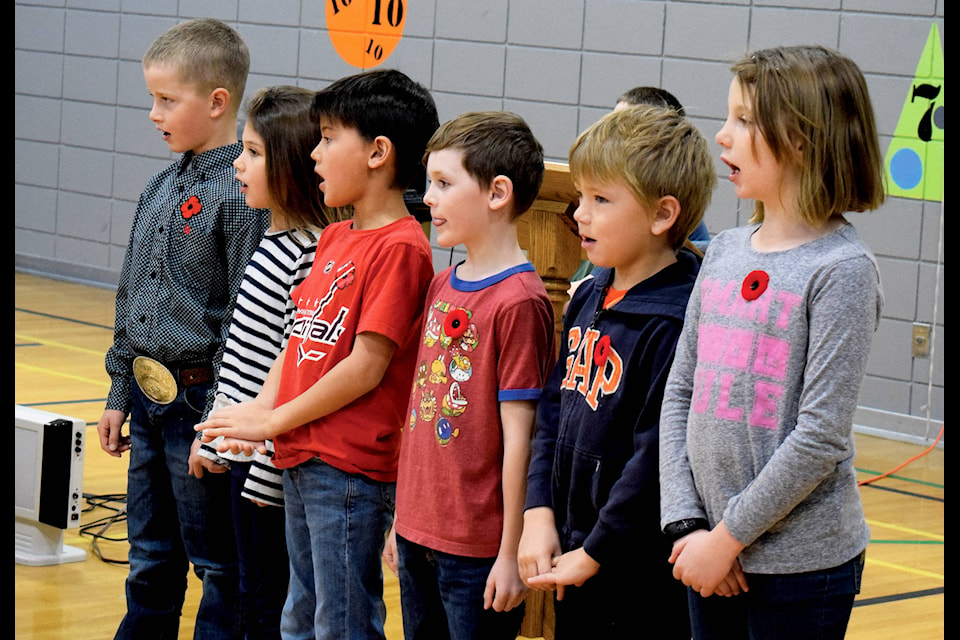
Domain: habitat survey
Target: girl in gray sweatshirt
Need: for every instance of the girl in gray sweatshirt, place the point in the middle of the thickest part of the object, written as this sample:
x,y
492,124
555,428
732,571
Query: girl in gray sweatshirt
x,y
758,490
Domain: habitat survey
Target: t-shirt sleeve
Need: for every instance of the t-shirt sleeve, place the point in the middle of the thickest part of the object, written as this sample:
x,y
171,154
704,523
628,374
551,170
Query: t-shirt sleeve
x,y
679,498
524,346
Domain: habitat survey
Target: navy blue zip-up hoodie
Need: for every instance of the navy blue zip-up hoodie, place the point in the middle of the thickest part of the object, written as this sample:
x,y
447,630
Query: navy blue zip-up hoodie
x,y
595,450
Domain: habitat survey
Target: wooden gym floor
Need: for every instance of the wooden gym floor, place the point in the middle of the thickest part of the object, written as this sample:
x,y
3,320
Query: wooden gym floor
x,y
62,330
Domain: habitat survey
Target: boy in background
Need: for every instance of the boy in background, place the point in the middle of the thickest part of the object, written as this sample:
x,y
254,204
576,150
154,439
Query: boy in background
x,y
334,402
591,526
192,237
484,356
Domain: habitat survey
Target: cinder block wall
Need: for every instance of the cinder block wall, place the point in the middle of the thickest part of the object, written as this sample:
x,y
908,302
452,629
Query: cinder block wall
x,y
85,146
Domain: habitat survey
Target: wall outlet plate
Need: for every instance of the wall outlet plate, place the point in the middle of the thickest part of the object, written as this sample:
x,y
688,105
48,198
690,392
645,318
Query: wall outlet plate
x,y
920,343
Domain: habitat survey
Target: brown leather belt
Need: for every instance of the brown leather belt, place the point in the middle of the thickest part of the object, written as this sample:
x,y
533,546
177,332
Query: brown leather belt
x,y
195,375
158,382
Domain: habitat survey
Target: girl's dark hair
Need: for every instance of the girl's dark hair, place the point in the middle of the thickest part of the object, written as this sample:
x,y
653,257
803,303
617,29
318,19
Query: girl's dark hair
x,y
281,116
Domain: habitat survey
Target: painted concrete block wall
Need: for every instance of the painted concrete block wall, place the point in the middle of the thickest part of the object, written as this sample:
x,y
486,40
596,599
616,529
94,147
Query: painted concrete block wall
x,y
85,146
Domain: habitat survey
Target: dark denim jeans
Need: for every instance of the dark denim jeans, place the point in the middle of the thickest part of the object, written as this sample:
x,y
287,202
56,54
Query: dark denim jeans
x,y
264,566
441,597
336,526
174,519
803,606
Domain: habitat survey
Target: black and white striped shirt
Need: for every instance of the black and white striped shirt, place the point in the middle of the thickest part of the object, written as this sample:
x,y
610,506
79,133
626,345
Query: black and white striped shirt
x,y
264,311
259,330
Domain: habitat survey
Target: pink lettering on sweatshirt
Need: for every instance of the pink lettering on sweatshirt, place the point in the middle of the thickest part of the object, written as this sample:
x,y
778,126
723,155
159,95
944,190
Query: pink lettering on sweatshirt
x,y
747,353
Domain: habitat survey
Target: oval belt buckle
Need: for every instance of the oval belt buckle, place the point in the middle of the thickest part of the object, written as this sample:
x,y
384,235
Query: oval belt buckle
x,y
155,380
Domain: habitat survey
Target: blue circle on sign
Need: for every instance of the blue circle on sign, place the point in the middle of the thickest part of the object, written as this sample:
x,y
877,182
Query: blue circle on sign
x,y
906,168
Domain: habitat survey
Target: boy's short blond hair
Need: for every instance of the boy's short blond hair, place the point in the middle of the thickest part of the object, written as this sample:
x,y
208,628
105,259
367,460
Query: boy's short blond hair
x,y
495,143
208,55
655,152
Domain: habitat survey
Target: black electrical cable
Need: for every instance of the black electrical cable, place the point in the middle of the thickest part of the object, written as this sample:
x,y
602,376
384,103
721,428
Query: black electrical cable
x,y
97,530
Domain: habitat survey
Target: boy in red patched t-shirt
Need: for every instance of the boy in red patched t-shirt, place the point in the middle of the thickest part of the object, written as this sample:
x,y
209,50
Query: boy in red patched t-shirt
x,y
485,351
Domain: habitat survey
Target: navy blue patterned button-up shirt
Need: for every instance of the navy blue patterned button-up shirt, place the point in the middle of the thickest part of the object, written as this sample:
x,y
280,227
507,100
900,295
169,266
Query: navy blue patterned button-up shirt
x,y
192,237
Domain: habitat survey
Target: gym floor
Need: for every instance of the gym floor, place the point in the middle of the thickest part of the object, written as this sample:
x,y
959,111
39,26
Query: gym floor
x,y
62,330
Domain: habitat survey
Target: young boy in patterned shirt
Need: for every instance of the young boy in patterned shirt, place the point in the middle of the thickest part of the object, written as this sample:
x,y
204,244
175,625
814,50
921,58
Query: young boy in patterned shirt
x,y
192,237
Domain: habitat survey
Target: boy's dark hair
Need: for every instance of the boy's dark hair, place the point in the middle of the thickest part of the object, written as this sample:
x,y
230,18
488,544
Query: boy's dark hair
x,y
384,103
495,143
207,53
281,116
651,95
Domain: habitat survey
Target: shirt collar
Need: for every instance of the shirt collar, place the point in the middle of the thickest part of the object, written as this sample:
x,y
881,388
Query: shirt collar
x,y
212,159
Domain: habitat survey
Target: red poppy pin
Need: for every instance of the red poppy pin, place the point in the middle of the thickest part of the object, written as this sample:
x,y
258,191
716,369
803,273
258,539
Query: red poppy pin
x,y
754,285
191,207
602,351
455,324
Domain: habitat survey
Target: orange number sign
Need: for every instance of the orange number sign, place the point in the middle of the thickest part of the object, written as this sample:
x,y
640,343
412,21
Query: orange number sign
x,y
365,32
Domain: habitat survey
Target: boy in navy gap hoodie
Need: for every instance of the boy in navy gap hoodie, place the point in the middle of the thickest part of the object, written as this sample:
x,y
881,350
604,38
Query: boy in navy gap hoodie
x,y
591,521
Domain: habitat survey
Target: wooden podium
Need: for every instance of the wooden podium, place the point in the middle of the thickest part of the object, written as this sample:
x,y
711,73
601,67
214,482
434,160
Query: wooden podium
x,y
548,234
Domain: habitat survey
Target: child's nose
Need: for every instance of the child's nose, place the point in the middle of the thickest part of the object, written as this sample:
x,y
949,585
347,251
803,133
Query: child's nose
x,y
721,136
428,197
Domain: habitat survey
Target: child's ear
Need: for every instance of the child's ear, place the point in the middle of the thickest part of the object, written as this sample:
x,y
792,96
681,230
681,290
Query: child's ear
x,y
219,102
666,212
796,141
500,192
380,151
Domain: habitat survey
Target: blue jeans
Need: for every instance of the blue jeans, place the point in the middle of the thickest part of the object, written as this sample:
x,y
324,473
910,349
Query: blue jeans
x,y
264,567
802,606
336,526
441,597
174,519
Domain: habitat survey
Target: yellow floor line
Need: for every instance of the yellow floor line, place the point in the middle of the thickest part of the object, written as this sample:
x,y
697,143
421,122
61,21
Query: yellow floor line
x,y
60,374
60,345
900,567
895,527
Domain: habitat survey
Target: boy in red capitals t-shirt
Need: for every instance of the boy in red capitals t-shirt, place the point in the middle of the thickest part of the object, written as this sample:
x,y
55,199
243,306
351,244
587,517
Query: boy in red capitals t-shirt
x,y
334,401
484,356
